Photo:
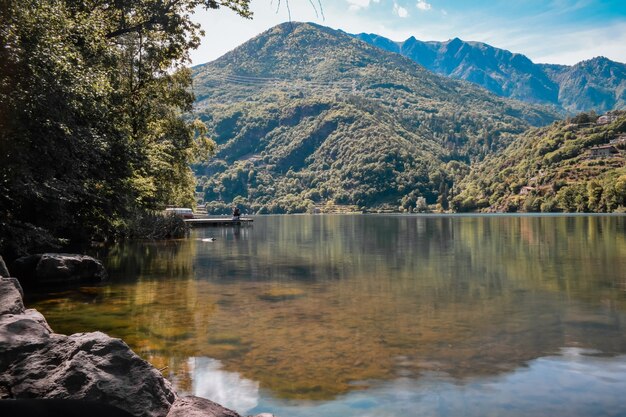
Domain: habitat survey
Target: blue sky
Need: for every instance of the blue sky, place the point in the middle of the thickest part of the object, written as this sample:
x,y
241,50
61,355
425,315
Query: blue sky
x,y
547,31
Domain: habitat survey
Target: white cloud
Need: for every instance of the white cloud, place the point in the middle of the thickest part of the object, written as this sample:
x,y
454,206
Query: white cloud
x,y
400,11
358,4
422,5
579,45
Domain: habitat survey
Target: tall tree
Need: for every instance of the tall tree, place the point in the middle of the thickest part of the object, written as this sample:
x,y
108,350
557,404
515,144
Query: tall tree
x,y
91,98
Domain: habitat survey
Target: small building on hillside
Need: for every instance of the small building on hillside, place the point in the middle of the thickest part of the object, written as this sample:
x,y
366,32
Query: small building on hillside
x,y
606,118
603,151
527,189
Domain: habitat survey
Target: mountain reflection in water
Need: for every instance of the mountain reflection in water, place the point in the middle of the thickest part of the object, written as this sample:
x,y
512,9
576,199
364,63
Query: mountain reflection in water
x,y
329,313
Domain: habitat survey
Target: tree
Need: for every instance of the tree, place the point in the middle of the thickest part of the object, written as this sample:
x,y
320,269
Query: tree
x,y
421,206
442,199
91,98
594,195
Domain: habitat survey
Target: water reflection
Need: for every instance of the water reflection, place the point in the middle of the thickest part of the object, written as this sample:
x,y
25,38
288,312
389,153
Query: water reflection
x,y
226,388
324,308
572,384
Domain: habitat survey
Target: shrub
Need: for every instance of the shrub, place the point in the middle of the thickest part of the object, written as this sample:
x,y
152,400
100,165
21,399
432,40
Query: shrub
x,y
157,226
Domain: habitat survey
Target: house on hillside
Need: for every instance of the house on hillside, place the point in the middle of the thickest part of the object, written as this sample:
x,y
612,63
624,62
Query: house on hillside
x,y
603,151
527,189
607,118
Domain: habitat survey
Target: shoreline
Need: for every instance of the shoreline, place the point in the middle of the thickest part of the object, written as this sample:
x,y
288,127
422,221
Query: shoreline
x,y
37,363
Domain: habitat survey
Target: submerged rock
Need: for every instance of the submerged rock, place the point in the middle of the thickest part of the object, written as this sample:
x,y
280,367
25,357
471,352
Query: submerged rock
x,y
37,363
52,268
281,294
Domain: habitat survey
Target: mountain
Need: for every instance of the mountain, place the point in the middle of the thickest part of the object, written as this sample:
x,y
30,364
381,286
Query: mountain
x,y
571,165
305,116
598,84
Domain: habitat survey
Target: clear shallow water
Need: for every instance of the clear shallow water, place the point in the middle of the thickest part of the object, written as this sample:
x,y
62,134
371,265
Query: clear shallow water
x,y
376,315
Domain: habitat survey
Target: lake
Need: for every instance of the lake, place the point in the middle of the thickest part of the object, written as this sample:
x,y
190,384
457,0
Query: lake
x,y
375,315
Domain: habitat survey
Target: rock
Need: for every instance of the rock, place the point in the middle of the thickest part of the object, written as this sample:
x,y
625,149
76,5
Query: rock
x,y
11,296
37,363
51,268
4,272
24,269
59,408
199,407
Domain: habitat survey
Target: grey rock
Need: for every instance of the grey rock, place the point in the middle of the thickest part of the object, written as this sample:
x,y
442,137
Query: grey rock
x,y
11,296
199,407
37,363
4,272
51,268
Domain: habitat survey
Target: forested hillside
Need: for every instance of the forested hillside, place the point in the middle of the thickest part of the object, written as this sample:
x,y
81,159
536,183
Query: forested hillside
x,y
573,165
597,84
305,116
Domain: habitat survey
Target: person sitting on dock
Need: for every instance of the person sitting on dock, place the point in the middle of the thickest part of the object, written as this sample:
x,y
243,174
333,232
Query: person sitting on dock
x,y
236,213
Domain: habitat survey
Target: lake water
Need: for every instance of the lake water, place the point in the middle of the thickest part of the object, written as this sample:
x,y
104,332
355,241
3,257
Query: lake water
x,y
372,315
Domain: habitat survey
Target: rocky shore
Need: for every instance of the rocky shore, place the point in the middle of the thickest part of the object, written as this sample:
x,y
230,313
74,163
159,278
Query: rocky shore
x,y
36,363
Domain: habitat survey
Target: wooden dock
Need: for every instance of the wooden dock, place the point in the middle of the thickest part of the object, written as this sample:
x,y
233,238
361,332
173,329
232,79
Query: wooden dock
x,y
218,221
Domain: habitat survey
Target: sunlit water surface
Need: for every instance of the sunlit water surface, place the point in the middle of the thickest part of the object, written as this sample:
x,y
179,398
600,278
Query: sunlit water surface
x,y
383,316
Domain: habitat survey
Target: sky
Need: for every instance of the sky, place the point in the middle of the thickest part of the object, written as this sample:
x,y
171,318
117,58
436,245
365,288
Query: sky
x,y
547,31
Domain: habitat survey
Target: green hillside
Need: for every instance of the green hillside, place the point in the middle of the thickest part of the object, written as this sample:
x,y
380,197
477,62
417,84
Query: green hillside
x,y
561,167
597,83
306,116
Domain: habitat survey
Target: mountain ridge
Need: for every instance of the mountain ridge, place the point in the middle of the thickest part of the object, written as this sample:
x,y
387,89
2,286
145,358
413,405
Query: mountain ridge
x,y
595,84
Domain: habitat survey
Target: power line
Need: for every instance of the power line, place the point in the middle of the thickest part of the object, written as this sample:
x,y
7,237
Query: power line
x,y
282,82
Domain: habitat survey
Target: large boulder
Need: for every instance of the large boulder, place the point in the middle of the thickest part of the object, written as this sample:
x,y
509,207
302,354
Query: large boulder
x,y
54,268
37,363
36,407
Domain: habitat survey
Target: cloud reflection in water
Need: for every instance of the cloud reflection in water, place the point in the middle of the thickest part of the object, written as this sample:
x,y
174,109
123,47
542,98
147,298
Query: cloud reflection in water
x,y
226,388
575,383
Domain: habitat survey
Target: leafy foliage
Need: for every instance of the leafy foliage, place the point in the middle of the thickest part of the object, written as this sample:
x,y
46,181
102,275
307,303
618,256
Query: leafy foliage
x,y
305,116
91,98
552,169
